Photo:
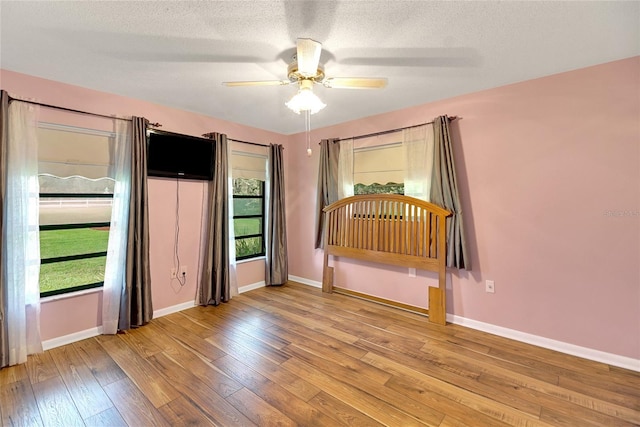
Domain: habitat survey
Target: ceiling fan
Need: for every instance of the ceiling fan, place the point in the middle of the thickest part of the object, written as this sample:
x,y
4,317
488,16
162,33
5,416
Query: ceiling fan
x,y
305,70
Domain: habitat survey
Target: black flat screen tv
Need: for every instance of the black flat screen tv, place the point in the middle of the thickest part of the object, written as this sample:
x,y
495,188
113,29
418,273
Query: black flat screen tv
x,y
173,155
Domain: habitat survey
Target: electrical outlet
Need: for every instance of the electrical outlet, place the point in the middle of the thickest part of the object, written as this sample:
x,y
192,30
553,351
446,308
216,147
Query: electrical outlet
x,y
412,272
173,273
490,286
183,271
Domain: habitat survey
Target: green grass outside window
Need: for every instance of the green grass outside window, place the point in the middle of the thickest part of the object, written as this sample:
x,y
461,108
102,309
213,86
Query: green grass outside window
x,y
68,274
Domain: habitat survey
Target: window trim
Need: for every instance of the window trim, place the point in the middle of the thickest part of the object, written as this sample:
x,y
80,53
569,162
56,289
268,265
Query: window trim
x,y
53,227
262,252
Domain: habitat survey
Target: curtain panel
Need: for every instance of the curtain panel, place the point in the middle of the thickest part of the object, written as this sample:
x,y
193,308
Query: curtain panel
x,y
345,169
276,264
444,192
4,140
126,300
116,265
417,147
136,308
216,276
19,282
327,183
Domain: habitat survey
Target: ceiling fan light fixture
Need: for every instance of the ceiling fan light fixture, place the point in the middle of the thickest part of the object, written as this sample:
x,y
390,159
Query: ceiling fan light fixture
x,y
305,99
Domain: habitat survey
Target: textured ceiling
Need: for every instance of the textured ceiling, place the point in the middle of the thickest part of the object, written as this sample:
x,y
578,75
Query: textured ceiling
x,y
178,53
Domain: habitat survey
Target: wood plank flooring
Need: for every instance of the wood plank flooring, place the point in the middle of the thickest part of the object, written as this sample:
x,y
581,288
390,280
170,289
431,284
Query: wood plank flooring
x,y
294,356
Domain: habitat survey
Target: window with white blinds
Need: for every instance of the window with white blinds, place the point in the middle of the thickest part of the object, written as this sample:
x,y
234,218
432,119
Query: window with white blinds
x,y
249,173
76,193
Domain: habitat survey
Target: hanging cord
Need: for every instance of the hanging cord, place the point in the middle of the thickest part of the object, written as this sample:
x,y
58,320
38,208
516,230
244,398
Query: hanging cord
x,y
307,127
181,279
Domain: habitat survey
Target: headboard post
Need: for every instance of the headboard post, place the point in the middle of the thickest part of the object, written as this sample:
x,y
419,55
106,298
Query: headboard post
x,y
327,272
327,277
438,296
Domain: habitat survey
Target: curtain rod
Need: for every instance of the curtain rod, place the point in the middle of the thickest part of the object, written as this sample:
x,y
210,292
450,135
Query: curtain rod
x,y
384,132
248,142
56,107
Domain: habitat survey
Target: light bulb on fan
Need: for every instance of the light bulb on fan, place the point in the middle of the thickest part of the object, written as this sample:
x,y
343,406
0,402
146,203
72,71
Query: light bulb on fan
x,y
305,99
307,103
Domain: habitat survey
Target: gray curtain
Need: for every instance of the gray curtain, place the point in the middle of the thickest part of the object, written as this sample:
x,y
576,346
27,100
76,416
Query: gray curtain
x,y
4,332
135,304
444,192
277,270
327,183
215,280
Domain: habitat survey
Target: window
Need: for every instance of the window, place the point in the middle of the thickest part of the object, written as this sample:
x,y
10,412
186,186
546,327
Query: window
x,y
249,176
378,169
75,207
248,217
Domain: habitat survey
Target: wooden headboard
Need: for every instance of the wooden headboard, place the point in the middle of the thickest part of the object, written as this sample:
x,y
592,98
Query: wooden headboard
x,y
389,229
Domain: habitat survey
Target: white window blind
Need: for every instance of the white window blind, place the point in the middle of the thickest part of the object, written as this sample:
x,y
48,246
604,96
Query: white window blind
x,y
380,164
70,152
249,165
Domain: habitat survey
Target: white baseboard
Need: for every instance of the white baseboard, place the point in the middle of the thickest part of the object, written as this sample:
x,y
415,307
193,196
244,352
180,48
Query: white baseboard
x,y
247,288
304,281
71,338
173,309
563,347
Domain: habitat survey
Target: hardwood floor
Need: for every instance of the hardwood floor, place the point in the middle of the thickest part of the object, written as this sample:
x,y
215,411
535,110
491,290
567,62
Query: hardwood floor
x,y
295,356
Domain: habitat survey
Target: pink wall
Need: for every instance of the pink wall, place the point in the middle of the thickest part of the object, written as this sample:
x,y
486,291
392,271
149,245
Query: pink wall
x,y
67,316
540,165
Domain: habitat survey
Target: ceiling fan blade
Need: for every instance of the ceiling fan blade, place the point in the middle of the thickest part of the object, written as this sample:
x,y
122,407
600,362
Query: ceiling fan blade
x,y
308,56
354,83
257,83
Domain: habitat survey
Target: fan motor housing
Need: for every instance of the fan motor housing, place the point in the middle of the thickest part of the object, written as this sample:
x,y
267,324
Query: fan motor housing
x,y
295,76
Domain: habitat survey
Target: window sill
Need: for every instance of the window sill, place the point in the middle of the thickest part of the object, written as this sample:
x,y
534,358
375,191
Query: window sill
x,y
70,295
258,258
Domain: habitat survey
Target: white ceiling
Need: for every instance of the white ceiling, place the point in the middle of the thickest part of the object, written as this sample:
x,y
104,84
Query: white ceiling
x,y
178,53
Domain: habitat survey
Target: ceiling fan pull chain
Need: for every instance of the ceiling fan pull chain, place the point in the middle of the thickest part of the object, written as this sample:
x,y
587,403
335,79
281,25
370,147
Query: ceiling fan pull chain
x,y
307,125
